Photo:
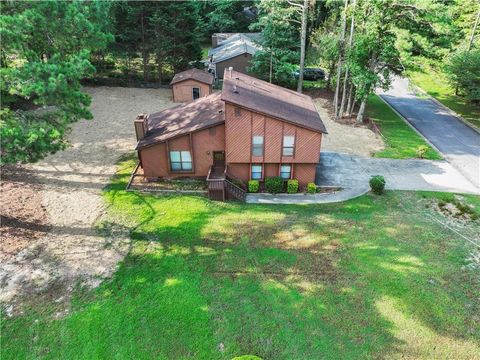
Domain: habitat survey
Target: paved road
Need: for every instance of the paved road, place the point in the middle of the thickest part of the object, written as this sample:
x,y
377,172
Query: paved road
x,y
459,143
354,171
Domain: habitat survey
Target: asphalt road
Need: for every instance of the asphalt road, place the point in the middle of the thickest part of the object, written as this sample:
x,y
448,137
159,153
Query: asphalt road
x,y
459,143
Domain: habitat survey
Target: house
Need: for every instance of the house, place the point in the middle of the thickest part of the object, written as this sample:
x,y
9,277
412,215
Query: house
x,y
250,130
233,50
191,84
219,38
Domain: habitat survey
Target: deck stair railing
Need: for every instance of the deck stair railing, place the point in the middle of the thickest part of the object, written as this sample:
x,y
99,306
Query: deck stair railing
x,y
221,186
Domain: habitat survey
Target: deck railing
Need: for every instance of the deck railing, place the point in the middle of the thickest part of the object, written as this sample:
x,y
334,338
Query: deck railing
x,y
223,185
235,191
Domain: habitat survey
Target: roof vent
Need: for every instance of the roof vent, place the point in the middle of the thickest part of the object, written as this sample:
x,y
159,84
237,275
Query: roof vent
x,y
235,90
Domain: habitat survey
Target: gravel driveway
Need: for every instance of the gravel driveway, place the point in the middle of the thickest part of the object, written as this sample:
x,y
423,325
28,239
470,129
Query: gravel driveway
x,y
71,183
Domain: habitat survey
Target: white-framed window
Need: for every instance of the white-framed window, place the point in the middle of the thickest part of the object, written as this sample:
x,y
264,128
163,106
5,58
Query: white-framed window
x,y
257,145
195,93
288,145
180,161
286,171
257,171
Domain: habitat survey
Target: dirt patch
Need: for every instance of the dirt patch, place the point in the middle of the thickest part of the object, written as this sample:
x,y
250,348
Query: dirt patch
x,y
344,135
68,186
23,218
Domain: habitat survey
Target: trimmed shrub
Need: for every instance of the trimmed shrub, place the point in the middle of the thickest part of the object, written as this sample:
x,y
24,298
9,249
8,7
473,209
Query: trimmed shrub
x,y
253,186
421,151
311,188
274,184
292,186
377,184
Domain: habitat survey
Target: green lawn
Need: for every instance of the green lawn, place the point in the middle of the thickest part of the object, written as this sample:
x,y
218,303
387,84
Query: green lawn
x,y
373,277
401,141
436,85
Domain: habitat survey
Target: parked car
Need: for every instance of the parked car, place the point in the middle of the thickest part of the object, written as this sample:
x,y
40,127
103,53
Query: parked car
x,y
312,74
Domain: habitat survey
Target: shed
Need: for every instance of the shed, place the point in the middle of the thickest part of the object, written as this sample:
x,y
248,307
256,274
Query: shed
x,y
191,84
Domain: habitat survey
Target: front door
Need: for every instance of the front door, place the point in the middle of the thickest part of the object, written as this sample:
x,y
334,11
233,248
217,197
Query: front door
x,y
195,93
218,158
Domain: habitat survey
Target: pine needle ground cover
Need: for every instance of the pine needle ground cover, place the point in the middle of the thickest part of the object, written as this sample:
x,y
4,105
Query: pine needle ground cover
x,y
373,277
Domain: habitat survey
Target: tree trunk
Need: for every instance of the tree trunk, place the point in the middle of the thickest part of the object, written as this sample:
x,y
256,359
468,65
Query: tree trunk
x,y
340,59
159,69
303,38
271,66
349,102
361,111
144,49
350,42
472,37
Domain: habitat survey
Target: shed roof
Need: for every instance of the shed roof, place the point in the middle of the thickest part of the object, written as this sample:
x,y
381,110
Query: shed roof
x,y
271,100
193,74
179,120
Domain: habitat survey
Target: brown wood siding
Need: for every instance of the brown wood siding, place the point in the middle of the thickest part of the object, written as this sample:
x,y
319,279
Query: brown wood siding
x,y
304,173
239,171
201,145
239,63
240,129
182,91
271,170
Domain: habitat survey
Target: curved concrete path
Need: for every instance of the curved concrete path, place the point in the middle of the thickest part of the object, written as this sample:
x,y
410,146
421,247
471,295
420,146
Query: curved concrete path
x,y
458,142
325,198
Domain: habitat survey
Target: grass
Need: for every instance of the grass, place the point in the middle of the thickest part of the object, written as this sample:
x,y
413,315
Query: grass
x,y
401,141
436,85
368,278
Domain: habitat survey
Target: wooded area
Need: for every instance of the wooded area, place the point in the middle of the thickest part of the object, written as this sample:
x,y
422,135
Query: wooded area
x,y
49,48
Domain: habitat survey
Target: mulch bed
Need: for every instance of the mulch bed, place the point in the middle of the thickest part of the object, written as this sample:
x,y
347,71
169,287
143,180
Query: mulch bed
x,y
23,218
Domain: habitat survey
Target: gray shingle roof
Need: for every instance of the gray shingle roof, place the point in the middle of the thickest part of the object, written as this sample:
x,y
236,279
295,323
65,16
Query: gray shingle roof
x,y
235,45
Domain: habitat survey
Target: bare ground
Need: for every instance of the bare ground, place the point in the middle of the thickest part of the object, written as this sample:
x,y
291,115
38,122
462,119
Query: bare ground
x,y
67,185
343,138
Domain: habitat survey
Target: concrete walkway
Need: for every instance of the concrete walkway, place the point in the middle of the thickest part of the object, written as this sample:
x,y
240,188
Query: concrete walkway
x,y
353,171
325,198
458,142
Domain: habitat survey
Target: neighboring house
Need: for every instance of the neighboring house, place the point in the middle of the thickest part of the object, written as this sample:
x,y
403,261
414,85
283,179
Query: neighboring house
x,y
233,50
218,38
250,130
191,85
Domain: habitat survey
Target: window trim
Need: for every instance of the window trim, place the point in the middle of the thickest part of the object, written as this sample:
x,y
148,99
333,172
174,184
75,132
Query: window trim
x,y
289,172
261,171
181,162
258,146
288,147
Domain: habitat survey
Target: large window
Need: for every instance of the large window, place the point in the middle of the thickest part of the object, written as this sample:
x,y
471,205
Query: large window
x,y
288,145
257,170
195,93
286,171
180,161
257,146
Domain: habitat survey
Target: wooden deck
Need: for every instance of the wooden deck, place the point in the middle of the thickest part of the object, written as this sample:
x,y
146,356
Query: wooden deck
x,y
220,186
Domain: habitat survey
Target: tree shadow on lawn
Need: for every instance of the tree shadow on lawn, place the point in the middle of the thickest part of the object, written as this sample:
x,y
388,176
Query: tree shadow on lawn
x,y
207,280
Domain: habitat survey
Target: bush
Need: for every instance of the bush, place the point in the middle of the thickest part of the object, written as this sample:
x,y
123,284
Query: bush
x,y
462,69
253,186
377,184
421,151
274,184
292,186
311,188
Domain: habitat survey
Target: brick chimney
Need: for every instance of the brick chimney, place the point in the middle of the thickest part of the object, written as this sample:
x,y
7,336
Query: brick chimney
x,y
141,126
